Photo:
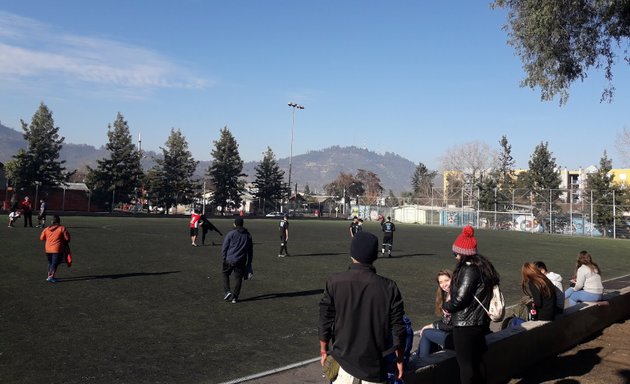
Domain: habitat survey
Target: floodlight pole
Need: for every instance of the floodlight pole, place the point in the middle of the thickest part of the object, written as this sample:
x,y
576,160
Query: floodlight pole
x,y
293,106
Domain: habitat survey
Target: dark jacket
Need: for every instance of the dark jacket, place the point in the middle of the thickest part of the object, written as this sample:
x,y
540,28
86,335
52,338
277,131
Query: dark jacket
x,y
545,306
238,248
464,309
360,312
446,322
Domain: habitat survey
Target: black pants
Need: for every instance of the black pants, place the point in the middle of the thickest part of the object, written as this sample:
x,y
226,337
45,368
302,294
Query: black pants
x,y
239,272
28,219
283,247
470,346
388,242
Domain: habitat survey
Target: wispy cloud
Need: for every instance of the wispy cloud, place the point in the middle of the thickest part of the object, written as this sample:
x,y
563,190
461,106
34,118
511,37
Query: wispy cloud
x,y
33,50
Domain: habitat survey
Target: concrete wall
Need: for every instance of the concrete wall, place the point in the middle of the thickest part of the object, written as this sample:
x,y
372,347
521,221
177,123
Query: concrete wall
x,y
512,350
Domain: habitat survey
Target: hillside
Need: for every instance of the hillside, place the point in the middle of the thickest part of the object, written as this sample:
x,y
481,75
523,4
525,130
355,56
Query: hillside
x,y
77,156
315,168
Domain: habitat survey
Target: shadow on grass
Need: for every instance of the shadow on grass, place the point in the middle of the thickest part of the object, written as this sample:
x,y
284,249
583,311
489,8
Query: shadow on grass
x,y
318,254
113,277
285,294
395,256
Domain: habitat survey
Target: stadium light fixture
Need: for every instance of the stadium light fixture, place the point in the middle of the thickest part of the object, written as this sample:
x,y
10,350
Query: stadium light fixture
x,y
293,106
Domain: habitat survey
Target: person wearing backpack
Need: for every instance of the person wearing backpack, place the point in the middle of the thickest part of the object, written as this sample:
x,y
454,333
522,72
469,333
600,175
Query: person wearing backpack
x,y
474,276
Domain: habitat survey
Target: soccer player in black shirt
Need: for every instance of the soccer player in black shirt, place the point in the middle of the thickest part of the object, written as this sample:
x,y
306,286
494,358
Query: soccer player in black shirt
x,y
354,226
388,236
284,236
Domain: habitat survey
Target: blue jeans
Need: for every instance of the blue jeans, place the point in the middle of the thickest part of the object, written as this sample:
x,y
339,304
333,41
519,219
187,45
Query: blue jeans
x,y
432,337
575,297
54,259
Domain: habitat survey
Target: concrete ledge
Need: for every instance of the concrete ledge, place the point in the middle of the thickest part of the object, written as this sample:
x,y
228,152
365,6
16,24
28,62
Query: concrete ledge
x,y
512,350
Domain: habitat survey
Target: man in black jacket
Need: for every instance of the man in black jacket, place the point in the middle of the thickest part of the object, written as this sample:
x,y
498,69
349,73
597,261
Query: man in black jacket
x,y
360,312
237,252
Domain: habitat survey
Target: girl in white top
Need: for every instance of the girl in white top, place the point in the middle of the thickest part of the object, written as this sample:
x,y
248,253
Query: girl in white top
x,y
588,281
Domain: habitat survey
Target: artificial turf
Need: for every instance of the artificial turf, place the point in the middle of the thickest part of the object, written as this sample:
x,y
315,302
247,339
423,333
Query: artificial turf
x,y
141,305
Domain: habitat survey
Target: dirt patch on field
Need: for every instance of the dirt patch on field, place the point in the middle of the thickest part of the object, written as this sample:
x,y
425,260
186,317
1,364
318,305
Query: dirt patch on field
x,y
603,359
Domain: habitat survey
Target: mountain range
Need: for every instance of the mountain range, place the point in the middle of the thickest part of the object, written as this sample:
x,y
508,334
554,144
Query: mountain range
x,y
315,168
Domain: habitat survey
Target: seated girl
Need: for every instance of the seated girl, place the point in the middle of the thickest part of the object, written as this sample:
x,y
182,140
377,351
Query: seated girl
x,y
541,293
587,284
438,335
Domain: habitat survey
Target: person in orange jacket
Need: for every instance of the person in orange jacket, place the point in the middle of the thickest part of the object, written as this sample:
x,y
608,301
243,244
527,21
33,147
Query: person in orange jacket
x,y
57,238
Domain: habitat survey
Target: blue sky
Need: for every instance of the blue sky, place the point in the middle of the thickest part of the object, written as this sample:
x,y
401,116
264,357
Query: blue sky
x,y
410,77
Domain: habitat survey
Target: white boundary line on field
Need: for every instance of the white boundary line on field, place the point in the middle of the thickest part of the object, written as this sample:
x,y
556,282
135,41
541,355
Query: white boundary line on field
x,y
618,277
271,371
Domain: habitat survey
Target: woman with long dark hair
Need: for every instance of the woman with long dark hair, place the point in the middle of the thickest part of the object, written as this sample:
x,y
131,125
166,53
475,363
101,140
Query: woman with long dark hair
x,y
474,276
587,281
540,290
438,333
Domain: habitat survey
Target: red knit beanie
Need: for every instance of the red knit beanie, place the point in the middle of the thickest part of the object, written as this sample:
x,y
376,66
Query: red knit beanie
x,y
466,244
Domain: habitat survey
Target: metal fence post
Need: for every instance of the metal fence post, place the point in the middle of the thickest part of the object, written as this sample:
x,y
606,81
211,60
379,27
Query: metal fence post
x,y
592,221
614,217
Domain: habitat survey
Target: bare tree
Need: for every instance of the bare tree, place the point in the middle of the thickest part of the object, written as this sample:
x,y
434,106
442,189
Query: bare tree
x,y
471,160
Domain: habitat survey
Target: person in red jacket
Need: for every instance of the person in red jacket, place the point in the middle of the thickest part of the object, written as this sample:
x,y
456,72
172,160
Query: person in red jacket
x,y
57,238
27,211
195,216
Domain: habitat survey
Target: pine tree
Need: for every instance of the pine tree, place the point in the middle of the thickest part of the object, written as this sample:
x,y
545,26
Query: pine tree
x,y
495,191
505,170
225,172
422,181
40,163
605,195
171,179
121,175
269,181
543,181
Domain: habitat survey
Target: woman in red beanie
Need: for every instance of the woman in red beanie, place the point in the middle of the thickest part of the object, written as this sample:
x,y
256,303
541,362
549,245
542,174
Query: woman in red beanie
x,y
474,275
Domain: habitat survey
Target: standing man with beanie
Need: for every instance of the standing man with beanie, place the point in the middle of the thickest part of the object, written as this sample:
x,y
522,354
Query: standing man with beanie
x,y
358,315
237,252
474,276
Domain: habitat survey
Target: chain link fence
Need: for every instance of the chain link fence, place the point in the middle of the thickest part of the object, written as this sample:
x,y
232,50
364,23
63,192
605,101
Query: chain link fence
x,y
558,211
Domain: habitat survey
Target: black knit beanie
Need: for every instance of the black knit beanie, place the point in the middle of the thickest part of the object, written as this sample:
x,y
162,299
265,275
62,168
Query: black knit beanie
x,y
364,247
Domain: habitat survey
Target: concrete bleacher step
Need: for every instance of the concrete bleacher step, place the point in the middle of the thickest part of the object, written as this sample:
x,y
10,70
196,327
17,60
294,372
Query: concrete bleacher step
x,y
514,349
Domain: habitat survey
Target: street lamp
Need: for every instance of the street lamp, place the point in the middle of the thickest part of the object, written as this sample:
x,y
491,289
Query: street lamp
x,y
293,106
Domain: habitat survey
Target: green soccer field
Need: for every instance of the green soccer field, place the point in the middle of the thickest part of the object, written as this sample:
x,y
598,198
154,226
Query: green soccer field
x,y
140,305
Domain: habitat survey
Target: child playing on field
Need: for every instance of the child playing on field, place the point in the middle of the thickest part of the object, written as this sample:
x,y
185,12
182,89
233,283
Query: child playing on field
x,y
13,216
